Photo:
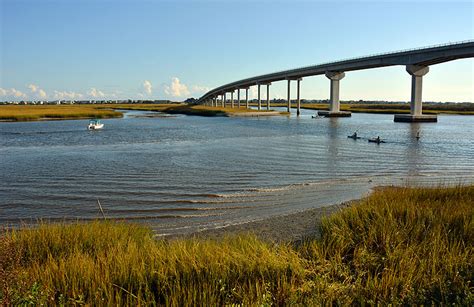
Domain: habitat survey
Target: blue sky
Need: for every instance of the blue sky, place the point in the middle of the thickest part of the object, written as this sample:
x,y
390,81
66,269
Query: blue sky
x,y
103,49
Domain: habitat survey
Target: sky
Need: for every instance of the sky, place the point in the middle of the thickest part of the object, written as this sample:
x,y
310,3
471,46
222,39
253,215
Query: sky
x,y
144,49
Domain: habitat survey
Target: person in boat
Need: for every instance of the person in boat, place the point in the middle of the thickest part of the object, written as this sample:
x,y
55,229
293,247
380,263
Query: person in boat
x,y
354,135
378,139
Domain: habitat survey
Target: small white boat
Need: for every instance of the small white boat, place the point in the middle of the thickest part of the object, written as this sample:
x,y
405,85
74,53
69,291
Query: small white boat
x,y
95,124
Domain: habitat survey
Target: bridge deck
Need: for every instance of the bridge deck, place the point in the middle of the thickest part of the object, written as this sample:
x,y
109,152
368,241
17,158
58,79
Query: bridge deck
x,y
422,56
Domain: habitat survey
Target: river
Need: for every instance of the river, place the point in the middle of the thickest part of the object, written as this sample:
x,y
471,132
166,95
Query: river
x,y
181,174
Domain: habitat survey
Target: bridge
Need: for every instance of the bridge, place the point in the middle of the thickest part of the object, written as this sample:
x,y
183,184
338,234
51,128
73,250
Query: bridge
x,y
416,62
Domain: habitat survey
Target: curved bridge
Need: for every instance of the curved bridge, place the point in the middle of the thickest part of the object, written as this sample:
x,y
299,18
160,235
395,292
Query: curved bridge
x,y
417,62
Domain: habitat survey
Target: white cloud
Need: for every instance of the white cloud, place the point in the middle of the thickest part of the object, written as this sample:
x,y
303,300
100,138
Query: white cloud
x,y
147,86
67,95
42,94
95,93
12,94
33,87
176,88
200,89
18,94
254,92
37,91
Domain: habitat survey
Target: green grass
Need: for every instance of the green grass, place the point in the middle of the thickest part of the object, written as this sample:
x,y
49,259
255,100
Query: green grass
x,y
399,246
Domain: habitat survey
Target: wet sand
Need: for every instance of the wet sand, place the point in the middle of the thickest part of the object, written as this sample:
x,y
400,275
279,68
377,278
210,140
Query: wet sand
x,y
294,227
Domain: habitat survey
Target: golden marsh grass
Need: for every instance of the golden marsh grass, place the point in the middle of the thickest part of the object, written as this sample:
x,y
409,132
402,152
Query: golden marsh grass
x,y
187,109
55,112
398,246
48,112
449,108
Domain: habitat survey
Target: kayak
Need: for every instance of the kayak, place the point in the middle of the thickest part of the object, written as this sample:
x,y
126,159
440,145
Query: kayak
x,y
376,141
354,137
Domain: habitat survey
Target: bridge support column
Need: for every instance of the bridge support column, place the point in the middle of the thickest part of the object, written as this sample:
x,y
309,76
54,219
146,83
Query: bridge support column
x,y
238,98
247,97
232,99
259,100
416,114
215,102
298,102
223,100
334,104
288,108
268,96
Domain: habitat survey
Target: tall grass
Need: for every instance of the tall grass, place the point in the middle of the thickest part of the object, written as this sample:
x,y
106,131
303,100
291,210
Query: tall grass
x,y
400,246
124,264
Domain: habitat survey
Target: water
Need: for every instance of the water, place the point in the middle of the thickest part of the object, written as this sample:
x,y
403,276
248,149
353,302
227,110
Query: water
x,y
184,173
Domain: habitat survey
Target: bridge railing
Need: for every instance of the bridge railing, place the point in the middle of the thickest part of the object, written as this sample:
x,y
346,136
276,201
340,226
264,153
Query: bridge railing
x,y
341,61
381,54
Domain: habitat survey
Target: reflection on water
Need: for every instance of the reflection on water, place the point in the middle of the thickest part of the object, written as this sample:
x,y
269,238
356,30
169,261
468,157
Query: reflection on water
x,y
185,173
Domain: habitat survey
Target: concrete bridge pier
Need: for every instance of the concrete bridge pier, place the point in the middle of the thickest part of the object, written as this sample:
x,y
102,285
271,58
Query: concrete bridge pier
x,y
298,102
238,98
268,96
247,97
416,105
259,100
288,107
232,99
214,104
223,100
334,104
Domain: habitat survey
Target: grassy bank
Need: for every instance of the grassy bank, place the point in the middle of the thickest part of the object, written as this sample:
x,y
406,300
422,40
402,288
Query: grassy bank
x,y
400,245
188,109
53,112
451,108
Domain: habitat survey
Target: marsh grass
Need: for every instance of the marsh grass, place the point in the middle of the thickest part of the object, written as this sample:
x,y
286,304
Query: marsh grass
x,y
45,112
123,263
187,109
448,108
400,245
451,108
56,112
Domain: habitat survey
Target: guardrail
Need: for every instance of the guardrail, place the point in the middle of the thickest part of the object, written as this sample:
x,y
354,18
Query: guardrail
x,y
384,53
232,84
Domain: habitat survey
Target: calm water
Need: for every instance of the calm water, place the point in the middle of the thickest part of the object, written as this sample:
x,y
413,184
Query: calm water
x,y
184,173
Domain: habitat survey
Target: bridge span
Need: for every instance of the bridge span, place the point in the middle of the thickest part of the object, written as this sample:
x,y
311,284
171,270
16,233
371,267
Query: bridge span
x,y
416,62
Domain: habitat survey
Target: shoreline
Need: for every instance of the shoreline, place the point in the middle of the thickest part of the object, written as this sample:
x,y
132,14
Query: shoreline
x,y
288,228
30,113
